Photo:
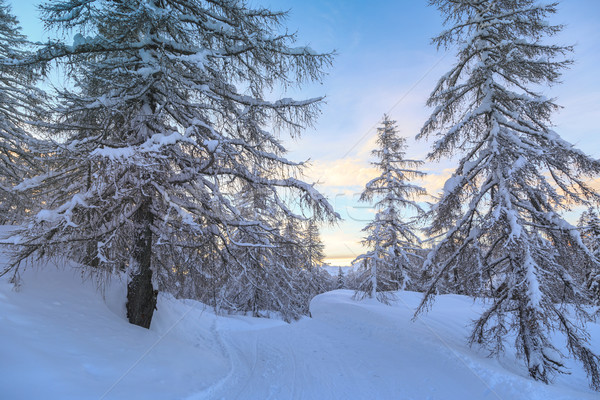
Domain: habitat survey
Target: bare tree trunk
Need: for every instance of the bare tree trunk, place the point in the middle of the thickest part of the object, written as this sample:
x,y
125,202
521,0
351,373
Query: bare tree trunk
x,y
91,250
141,296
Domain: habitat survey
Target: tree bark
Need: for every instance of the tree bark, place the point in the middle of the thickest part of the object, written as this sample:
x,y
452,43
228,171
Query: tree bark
x,y
141,296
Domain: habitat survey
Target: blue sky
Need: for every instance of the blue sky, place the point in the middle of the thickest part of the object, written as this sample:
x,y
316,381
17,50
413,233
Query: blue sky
x,y
386,64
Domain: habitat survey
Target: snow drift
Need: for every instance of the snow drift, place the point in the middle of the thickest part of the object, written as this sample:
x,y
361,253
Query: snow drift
x,y
62,339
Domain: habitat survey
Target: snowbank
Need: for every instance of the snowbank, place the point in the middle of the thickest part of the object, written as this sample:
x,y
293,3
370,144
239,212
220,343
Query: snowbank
x,y
59,339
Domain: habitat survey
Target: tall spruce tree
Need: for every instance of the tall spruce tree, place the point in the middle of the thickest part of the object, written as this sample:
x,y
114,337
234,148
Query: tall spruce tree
x,y
391,240
500,211
163,122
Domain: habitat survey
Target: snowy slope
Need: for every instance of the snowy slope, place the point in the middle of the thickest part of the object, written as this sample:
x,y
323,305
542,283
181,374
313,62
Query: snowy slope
x,y
60,340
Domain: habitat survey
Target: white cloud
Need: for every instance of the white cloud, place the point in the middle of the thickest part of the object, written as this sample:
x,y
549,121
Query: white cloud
x,y
343,173
342,241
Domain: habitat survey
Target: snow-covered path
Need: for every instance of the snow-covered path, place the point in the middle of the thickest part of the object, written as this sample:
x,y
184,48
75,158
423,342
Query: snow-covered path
x,y
60,340
351,350
346,351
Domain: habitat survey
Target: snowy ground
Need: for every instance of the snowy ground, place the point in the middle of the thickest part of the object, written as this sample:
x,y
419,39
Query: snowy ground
x,y
59,339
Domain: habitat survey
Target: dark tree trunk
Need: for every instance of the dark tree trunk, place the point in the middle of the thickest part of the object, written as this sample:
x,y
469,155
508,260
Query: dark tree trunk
x,y
141,296
91,250
91,258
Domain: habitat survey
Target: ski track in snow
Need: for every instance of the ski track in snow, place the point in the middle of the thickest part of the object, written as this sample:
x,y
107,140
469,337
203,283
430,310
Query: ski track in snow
x,y
60,340
305,361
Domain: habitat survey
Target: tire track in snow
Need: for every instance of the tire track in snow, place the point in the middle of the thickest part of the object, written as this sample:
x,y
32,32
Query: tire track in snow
x,y
252,370
242,368
210,392
295,373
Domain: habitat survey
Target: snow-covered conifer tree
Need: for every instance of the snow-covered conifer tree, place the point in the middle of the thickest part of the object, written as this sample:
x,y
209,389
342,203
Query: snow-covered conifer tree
x,y
500,210
292,253
391,239
314,252
162,123
303,253
314,247
259,277
340,279
21,106
292,236
589,224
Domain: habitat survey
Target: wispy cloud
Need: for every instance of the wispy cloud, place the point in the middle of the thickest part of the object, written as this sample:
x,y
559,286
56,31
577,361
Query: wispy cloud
x,y
342,174
342,244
